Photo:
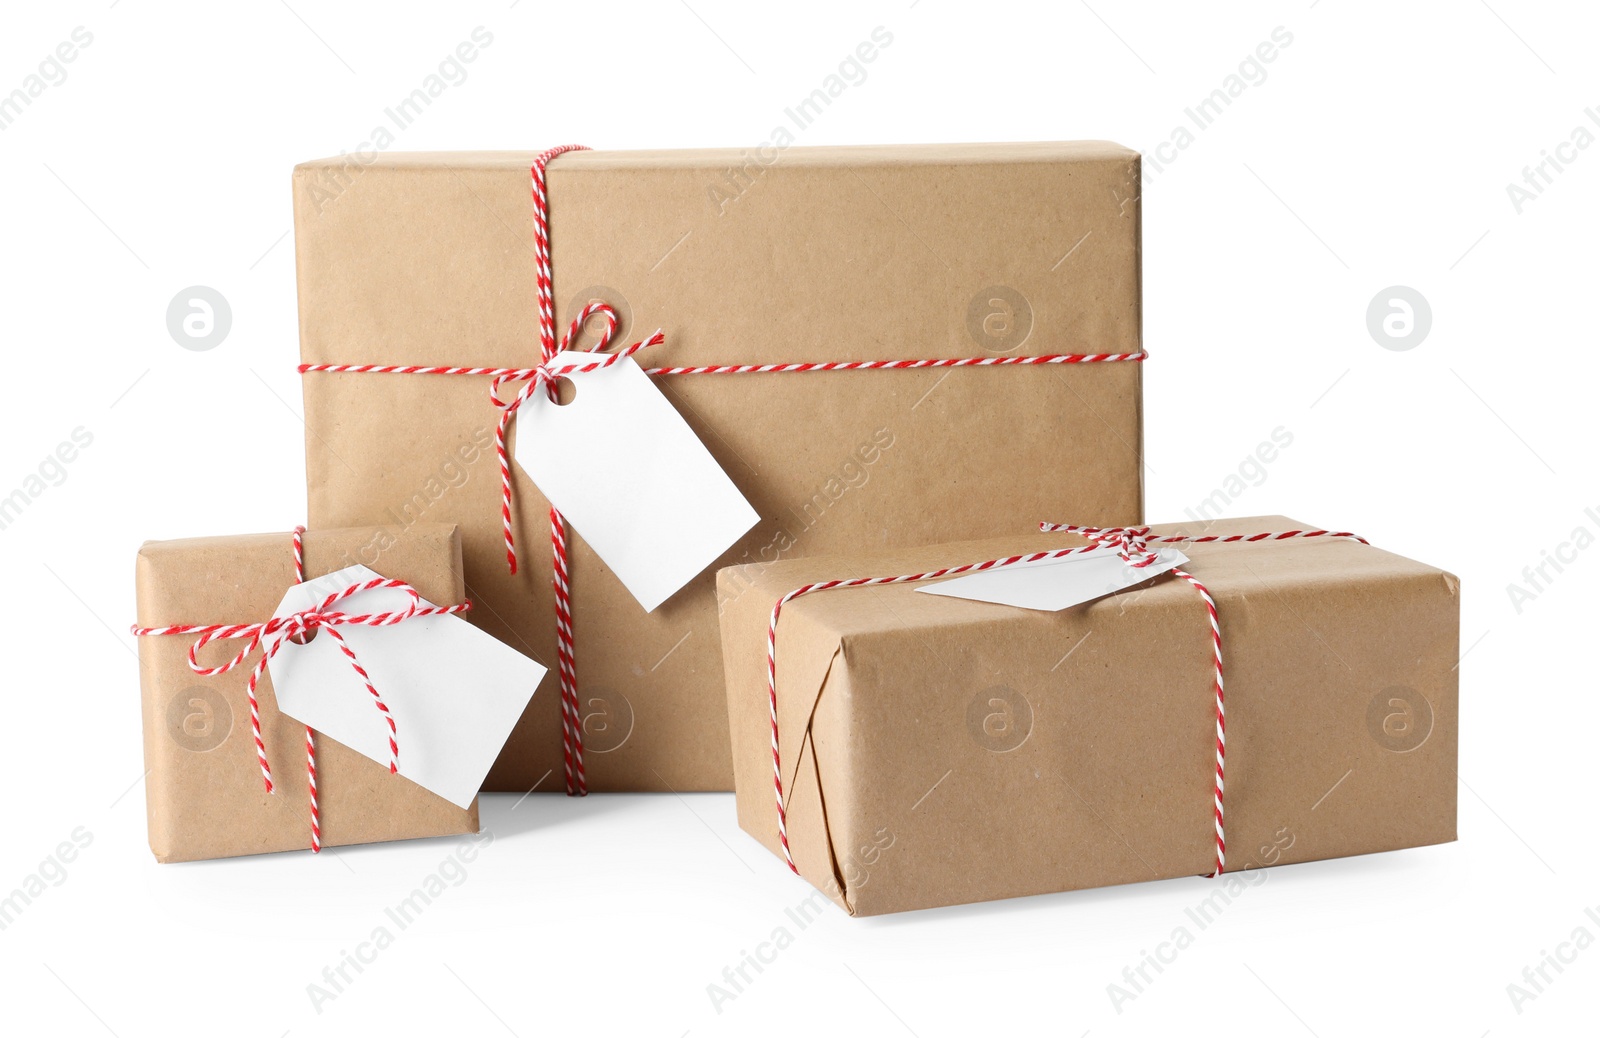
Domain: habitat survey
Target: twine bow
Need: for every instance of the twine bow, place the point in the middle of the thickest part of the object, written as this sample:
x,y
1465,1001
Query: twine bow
x,y
1131,543
546,375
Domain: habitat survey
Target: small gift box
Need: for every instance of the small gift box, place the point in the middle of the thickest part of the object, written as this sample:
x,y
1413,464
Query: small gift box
x,y
905,748
228,772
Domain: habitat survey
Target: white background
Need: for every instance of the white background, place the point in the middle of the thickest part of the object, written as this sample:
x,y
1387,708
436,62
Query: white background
x,y
1377,152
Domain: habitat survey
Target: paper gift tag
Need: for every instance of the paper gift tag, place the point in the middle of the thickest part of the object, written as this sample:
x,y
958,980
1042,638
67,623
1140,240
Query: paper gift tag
x,y
634,480
1056,583
455,691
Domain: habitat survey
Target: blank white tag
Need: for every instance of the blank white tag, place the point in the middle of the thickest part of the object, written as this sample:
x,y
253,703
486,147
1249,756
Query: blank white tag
x,y
455,691
1056,583
633,478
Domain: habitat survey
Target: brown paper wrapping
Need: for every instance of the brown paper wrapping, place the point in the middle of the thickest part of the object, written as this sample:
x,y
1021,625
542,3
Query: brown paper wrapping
x,y
938,751
824,254
203,786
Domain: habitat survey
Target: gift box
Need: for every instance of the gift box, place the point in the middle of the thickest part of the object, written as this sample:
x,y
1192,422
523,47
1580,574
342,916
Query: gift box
x,y
934,750
767,270
204,784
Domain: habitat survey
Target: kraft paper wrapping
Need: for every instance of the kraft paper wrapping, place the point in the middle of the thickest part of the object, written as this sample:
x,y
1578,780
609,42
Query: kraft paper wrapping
x,y
824,254
203,790
939,751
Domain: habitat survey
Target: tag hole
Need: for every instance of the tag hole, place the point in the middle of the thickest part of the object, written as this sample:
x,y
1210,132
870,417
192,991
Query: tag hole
x,y
566,392
303,637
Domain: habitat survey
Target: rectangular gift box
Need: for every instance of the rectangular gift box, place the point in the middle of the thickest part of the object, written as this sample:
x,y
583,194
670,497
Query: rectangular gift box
x,y
740,257
938,751
203,787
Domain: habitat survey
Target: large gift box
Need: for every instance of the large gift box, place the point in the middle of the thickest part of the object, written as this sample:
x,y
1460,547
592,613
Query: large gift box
x,y
1021,261
935,750
204,782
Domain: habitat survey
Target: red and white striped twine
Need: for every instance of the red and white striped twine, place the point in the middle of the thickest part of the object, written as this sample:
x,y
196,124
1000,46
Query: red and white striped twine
x,y
545,374
297,538
269,638
1132,545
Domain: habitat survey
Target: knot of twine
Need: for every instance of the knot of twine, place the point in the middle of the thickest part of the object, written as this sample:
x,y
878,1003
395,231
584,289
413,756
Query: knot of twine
x,y
546,376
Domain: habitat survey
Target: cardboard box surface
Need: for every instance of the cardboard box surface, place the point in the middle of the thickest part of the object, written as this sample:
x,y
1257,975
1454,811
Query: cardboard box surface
x,y
203,788
940,751
824,254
